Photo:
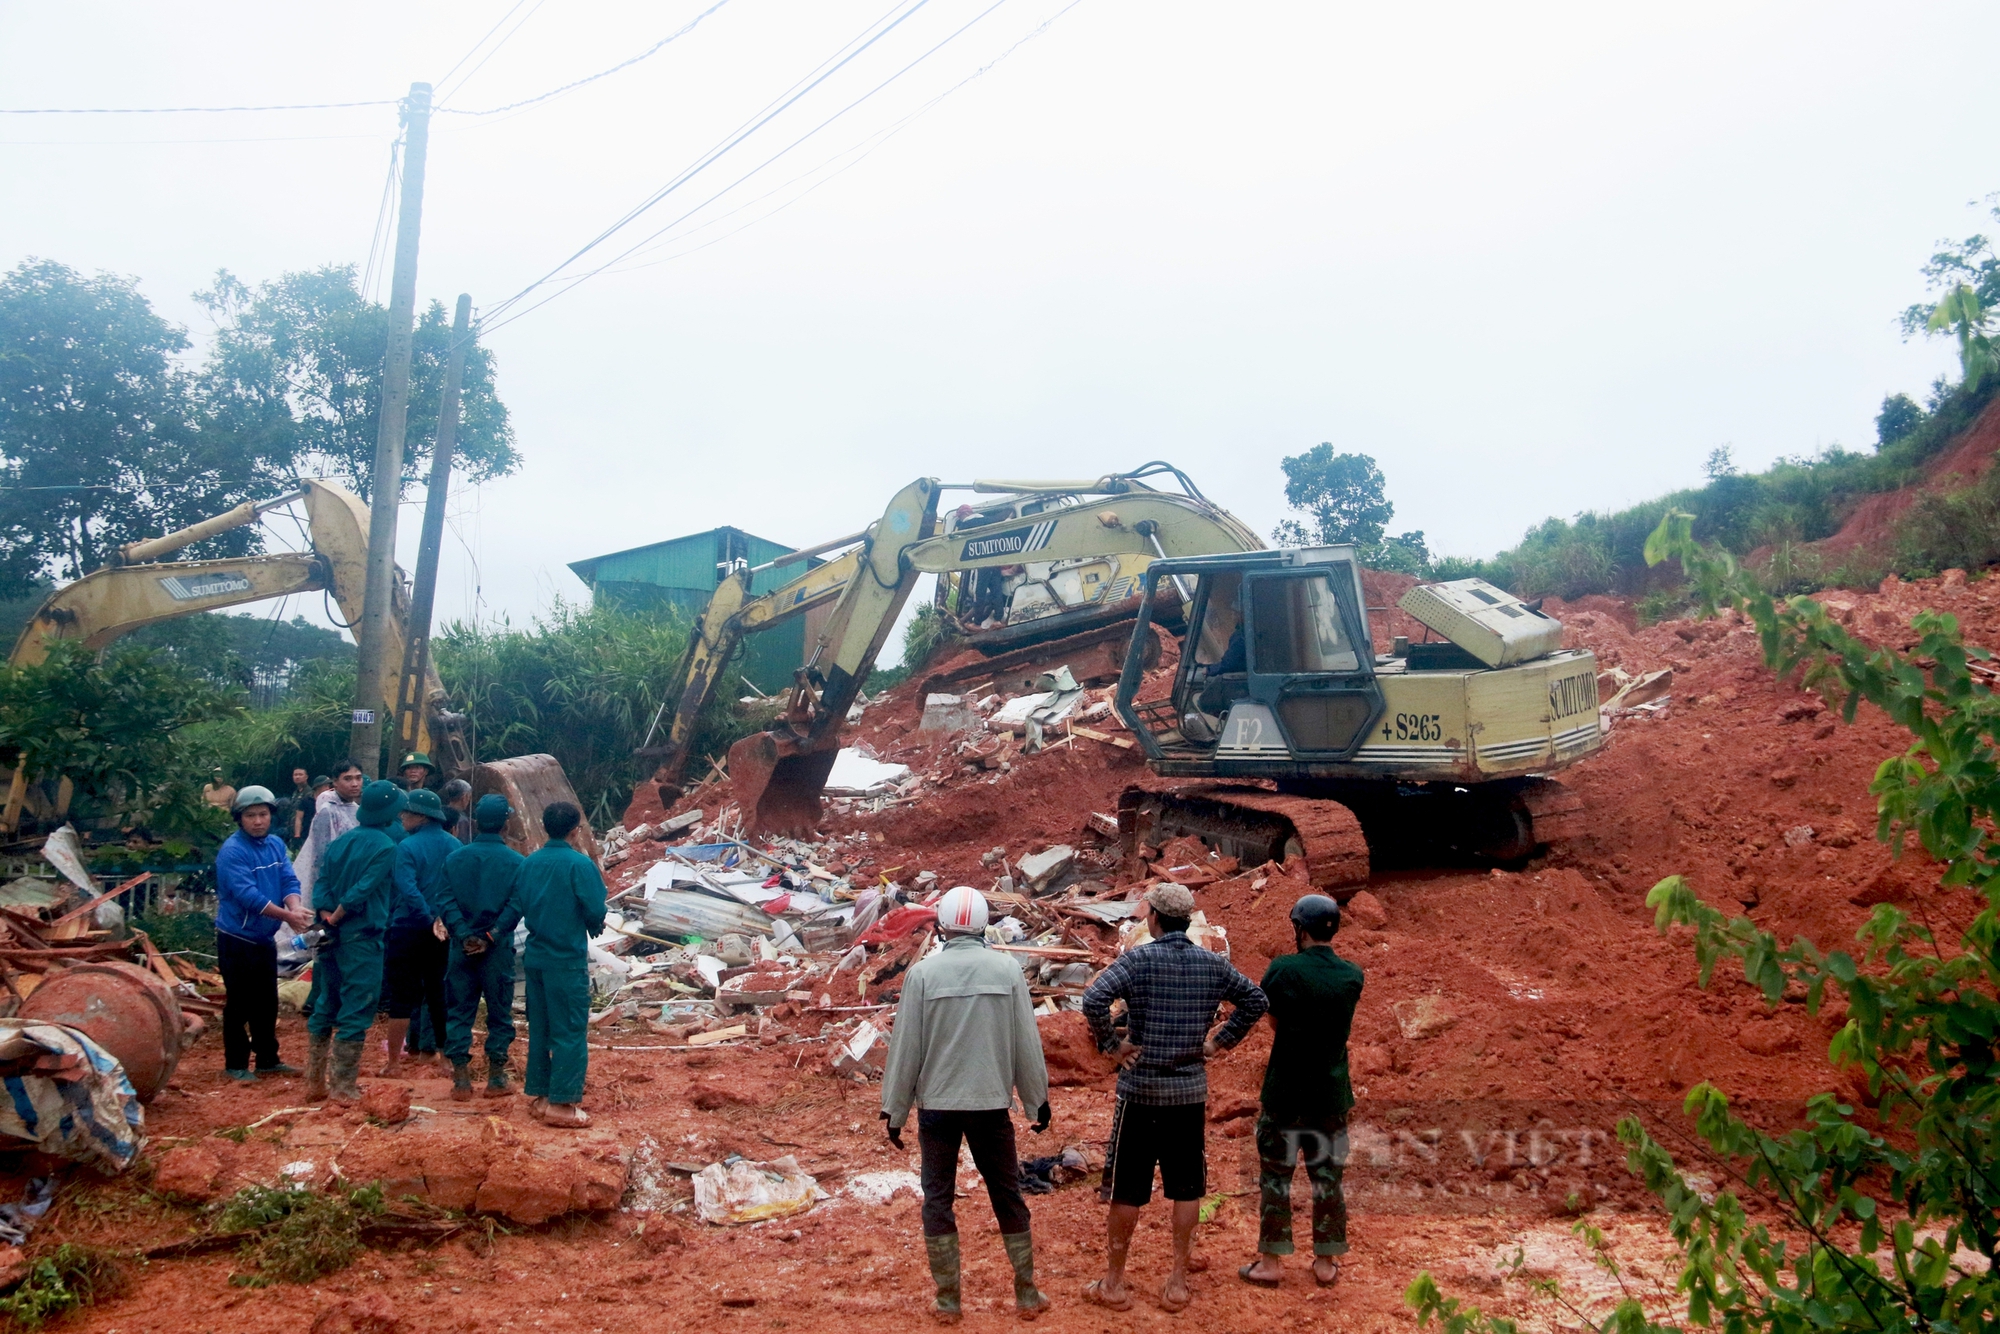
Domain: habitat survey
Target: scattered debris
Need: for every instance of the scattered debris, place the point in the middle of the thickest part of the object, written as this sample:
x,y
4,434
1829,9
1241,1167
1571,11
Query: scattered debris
x,y
737,1191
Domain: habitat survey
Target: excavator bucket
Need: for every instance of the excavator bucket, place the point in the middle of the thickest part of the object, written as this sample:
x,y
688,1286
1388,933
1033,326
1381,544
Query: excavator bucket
x,y
531,784
776,786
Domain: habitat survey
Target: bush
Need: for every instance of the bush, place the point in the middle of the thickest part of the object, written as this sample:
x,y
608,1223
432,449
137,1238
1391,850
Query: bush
x,y
305,1234
583,685
60,1282
928,630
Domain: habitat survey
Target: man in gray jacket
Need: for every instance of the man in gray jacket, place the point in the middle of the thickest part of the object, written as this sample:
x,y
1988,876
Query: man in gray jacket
x,y
965,1040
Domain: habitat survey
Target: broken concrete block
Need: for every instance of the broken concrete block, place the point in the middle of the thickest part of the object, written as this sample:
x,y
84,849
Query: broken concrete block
x,y
685,820
1039,868
947,713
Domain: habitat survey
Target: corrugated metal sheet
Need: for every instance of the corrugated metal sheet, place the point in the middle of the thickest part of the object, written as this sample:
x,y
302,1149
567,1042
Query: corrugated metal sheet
x,y
681,572
688,562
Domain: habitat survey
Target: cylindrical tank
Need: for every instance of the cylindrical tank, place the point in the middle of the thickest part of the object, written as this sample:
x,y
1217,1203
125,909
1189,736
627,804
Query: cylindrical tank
x,y
122,1008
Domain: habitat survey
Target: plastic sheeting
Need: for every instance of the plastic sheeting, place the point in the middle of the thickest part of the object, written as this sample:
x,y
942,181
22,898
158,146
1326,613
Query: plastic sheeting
x,y
68,1096
741,1191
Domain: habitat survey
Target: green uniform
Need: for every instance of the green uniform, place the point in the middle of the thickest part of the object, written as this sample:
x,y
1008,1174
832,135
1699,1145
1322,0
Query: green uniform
x,y
562,901
357,874
481,898
1306,1096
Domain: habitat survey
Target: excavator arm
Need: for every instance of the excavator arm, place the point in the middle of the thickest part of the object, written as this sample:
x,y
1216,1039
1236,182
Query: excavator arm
x,y
778,775
730,615
141,590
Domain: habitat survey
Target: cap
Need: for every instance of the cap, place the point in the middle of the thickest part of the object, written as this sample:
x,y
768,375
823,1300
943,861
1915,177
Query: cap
x,y
490,812
424,802
253,795
417,757
962,911
380,800
1171,900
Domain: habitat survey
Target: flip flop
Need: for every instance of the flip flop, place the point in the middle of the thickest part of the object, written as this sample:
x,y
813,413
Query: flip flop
x,y
1093,1292
1255,1282
1172,1307
1326,1282
574,1119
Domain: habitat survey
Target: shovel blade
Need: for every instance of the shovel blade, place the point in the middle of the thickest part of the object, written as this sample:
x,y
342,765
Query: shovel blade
x,y
777,787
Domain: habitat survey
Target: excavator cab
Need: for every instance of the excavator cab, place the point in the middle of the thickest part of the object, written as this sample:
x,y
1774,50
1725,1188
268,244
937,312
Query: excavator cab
x,y
1277,663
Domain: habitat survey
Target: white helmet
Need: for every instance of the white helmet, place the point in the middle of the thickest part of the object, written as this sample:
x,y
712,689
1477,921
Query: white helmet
x,y
962,911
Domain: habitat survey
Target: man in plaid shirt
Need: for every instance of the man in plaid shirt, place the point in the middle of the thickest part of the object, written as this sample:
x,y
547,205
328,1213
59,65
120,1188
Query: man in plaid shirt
x,y
1171,988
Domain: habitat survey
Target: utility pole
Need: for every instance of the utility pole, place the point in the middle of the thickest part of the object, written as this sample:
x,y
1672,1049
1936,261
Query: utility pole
x,y
410,702
378,614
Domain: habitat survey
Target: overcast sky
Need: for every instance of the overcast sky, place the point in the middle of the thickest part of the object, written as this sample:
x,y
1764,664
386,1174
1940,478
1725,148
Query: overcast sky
x,y
1534,259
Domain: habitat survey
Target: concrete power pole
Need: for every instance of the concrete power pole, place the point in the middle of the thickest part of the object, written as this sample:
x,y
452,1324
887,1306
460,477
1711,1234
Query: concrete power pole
x,y
410,703
378,615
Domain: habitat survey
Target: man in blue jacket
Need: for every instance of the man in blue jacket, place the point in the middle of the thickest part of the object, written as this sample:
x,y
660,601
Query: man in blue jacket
x,y
352,899
413,972
256,893
562,901
481,906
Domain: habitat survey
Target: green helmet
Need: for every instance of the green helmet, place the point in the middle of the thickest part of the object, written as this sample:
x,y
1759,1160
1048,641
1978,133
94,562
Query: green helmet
x,y
380,801
423,801
252,795
417,757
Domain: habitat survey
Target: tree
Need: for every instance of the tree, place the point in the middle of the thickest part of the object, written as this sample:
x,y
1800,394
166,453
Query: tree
x,y
1341,499
297,368
1873,1209
116,728
99,442
1899,416
1340,496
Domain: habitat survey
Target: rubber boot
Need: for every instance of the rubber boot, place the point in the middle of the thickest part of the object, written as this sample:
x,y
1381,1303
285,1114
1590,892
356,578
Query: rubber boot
x,y
461,1081
1028,1300
343,1086
496,1079
316,1055
944,1272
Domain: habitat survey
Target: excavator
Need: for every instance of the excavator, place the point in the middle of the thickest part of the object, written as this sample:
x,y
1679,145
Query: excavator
x,y
138,589
1045,573
1308,745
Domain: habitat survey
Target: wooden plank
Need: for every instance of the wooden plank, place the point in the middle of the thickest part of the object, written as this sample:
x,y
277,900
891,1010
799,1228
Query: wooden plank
x,y
108,894
719,1035
1046,952
158,961
1096,735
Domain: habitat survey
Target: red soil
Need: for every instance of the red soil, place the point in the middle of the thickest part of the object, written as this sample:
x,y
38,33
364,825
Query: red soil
x,y
1540,1005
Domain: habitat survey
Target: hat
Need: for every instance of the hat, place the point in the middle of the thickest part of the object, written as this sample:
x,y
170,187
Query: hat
x,y
380,800
252,796
491,811
424,802
417,757
1171,900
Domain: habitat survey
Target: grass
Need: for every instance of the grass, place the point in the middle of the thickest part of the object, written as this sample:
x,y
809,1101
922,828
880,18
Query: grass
x,y
67,1278
305,1235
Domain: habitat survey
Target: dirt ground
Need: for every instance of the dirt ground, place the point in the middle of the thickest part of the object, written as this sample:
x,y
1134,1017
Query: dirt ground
x,y
1510,1018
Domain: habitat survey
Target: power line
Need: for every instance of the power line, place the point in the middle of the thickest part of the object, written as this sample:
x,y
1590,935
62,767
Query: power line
x,y
572,282
826,71
865,148
481,42
511,34
170,111
652,50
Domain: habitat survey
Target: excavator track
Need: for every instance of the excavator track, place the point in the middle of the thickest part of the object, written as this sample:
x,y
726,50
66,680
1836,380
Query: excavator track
x,y
1254,825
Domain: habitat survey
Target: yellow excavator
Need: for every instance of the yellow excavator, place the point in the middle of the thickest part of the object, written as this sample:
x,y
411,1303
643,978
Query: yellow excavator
x,y
139,588
1047,572
1307,746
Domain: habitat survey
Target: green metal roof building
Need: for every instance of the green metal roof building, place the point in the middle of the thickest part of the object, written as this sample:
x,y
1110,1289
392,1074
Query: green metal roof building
x,y
682,572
